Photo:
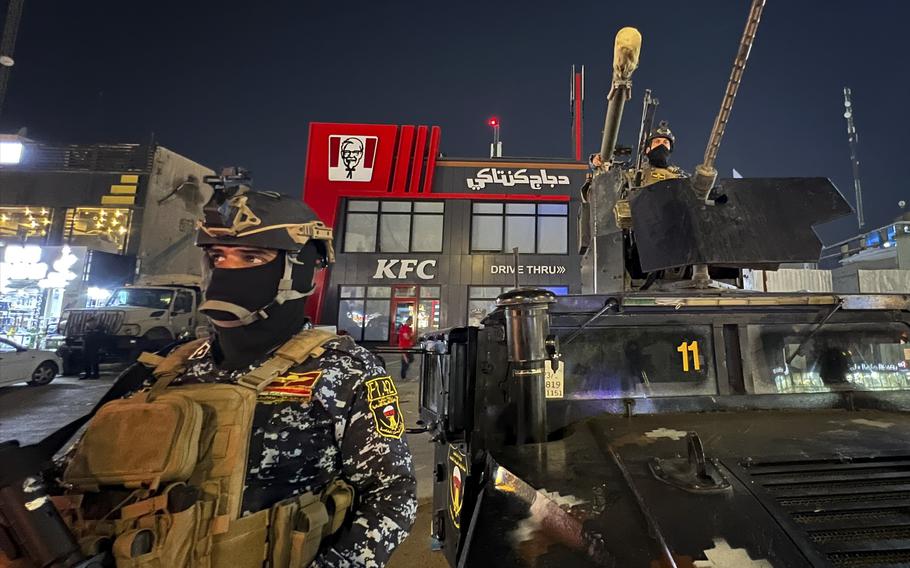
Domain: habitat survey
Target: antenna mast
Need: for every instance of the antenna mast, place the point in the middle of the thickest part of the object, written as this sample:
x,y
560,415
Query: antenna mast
x,y
7,43
854,158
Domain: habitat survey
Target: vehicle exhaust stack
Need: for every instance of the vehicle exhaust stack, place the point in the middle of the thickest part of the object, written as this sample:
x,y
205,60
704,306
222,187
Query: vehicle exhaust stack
x,y
626,50
530,346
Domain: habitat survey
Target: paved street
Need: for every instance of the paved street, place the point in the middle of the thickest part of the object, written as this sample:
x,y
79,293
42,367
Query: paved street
x,y
28,414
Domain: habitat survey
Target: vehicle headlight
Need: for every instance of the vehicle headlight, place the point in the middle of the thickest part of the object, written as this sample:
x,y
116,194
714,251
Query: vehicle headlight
x,y
129,329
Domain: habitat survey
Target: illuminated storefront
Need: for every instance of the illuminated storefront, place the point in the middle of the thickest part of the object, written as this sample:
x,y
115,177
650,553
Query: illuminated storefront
x,y
121,210
431,238
36,284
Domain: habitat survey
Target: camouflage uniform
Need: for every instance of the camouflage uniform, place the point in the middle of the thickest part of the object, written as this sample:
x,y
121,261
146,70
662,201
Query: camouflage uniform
x,y
316,423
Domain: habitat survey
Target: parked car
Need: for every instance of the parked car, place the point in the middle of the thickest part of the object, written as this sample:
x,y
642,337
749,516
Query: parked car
x,y
34,366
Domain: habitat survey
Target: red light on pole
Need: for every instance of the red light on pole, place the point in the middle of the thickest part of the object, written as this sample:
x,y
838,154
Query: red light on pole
x,y
496,146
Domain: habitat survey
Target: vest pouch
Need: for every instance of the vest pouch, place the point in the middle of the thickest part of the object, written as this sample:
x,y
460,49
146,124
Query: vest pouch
x,y
138,443
244,543
162,540
309,527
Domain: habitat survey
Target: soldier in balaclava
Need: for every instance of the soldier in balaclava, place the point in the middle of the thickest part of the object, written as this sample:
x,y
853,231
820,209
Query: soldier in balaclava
x,y
311,470
658,147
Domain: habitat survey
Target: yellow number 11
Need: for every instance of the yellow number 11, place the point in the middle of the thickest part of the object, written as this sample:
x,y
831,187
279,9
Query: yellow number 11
x,y
686,348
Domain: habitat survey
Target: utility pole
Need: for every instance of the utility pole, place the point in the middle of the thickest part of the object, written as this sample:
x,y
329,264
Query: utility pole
x,y
854,158
7,43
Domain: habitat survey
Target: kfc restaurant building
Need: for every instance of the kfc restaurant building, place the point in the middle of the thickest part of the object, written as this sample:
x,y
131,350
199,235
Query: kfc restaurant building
x,y
430,237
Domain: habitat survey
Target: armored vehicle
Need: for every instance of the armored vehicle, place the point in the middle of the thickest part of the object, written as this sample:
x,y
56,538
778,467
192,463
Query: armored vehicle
x,y
668,418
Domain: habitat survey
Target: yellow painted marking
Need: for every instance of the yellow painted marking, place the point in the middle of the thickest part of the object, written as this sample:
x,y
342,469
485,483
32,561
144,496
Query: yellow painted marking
x,y
129,178
118,200
123,189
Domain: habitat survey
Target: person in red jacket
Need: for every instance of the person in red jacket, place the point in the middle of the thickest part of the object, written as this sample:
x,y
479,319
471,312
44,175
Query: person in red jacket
x,y
406,341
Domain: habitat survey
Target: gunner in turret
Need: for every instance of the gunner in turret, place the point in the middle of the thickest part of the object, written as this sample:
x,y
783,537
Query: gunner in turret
x,y
659,146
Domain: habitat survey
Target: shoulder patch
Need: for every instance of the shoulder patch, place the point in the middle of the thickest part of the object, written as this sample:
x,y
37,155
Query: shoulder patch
x,y
382,397
292,386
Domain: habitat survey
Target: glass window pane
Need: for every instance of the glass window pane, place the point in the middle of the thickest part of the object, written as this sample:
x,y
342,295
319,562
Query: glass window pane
x,y
429,291
482,207
478,309
553,209
350,317
360,232
427,233
406,291
397,206
351,292
363,206
429,315
558,290
486,233
857,356
619,362
485,291
28,222
520,208
520,233
552,235
394,233
429,207
376,320
100,228
379,292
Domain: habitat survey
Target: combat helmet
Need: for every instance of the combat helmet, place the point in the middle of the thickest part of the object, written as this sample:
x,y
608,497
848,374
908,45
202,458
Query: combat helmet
x,y
236,215
662,131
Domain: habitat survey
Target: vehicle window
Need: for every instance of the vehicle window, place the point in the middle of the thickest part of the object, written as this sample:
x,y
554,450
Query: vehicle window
x,y
837,357
142,297
624,362
183,303
6,346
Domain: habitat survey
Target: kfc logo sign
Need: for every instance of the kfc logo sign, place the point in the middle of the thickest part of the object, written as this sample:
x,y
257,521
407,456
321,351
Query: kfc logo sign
x,y
351,158
400,269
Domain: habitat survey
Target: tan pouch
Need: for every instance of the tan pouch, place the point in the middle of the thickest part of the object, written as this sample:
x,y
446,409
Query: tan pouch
x,y
244,543
134,442
167,540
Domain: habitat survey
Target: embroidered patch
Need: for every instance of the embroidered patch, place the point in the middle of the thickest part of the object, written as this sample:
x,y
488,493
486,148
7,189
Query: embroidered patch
x,y
458,472
296,386
382,397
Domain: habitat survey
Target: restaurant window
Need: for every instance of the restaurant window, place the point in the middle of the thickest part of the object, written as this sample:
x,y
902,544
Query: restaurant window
x,y
25,223
100,228
541,228
393,226
374,313
482,299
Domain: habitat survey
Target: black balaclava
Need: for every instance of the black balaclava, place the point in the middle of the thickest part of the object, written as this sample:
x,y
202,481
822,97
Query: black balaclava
x,y
658,156
254,289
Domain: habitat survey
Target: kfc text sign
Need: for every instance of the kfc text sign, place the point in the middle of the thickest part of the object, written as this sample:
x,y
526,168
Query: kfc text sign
x,y
352,158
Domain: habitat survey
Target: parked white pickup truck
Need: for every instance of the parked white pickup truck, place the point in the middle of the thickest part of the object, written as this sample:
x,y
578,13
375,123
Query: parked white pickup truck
x,y
145,316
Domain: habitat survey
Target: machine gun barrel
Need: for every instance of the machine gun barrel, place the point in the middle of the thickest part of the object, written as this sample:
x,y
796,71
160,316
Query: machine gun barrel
x,y
626,51
705,173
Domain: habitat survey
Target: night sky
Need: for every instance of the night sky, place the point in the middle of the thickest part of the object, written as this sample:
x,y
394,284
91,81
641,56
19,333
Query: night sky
x,y
238,82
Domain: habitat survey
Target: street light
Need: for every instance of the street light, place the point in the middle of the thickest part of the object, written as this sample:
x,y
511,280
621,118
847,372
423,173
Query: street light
x,y
10,152
496,146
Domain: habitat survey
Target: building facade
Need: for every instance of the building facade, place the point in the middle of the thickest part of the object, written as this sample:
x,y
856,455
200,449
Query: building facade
x,y
430,237
76,220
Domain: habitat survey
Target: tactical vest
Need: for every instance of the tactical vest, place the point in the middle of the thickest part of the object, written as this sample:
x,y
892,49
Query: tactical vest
x,y
160,476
